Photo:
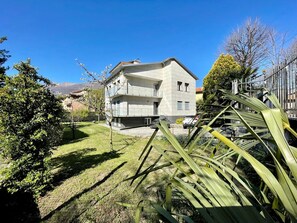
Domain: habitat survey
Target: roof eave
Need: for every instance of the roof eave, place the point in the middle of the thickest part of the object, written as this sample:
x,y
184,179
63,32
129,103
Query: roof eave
x,y
120,66
183,66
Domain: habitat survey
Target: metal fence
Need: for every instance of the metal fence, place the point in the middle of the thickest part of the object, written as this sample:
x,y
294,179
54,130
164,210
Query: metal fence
x,y
282,81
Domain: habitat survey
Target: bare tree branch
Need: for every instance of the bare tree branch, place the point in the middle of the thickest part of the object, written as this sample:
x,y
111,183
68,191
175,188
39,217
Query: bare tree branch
x,y
291,51
248,44
276,42
103,79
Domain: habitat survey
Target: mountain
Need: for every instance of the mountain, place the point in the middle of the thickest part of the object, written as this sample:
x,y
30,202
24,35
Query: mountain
x,y
67,88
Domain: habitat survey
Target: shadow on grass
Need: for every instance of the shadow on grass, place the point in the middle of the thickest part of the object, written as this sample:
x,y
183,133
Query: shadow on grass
x,y
49,215
125,142
74,163
18,207
68,135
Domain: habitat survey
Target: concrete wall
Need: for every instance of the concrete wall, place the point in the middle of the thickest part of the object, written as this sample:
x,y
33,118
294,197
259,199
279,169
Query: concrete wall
x,y
165,107
116,85
199,96
142,87
172,74
140,107
133,106
148,72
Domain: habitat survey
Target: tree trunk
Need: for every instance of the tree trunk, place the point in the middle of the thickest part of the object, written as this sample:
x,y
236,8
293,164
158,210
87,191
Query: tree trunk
x,y
73,130
110,136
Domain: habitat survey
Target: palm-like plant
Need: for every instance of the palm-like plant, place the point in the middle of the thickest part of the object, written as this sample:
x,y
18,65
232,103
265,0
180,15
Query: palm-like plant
x,y
204,169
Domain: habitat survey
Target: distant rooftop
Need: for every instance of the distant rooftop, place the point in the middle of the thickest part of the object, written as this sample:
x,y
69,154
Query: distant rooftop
x,y
199,90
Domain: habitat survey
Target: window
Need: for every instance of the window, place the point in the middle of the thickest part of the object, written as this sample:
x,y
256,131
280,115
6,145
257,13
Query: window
x,y
179,86
156,88
187,87
187,105
147,121
179,105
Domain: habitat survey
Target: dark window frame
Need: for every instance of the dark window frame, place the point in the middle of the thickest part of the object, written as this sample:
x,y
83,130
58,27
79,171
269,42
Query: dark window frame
x,y
187,89
179,86
179,105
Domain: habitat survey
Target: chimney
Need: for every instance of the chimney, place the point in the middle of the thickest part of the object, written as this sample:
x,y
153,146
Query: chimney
x,y
136,61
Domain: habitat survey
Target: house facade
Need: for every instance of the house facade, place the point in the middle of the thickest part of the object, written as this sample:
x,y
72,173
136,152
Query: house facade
x,y
199,94
137,93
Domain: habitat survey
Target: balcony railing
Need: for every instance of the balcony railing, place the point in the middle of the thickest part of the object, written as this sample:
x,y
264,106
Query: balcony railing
x,y
134,91
135,112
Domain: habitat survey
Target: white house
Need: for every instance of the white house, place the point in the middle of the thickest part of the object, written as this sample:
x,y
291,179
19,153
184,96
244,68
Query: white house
x,y
141,92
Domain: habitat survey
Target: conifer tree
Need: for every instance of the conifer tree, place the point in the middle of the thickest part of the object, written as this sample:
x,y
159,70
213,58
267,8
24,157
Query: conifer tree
x,y
29,129
224,70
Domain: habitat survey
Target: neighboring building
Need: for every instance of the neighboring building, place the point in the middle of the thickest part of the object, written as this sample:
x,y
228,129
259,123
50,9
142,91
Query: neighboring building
x,y
199,94
74,102
141,92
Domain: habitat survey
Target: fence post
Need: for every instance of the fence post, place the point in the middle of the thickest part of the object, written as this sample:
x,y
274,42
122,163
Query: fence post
x,y
235,86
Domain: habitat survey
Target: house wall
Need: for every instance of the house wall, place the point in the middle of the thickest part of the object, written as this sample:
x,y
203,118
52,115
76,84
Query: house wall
x,y
165,107
133,106
116,85
199,96
147,72
136,106
141,87
172,74
140,107
138,101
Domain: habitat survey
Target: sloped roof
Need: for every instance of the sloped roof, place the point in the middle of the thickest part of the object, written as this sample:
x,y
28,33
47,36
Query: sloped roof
x,y
122,65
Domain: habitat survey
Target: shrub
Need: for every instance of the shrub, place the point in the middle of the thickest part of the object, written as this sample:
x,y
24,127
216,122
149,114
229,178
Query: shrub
x,y
179,121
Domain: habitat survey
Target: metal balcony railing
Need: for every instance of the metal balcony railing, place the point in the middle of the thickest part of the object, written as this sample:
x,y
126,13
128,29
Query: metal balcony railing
x,y
135,91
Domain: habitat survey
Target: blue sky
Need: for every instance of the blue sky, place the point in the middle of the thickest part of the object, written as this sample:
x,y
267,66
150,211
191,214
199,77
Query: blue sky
x,y
98,33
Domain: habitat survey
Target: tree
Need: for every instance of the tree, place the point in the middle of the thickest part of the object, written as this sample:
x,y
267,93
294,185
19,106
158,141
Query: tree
x,y
96,101
3,58
248,44
101,78
276,42
291,52
79,115
29,129
224,70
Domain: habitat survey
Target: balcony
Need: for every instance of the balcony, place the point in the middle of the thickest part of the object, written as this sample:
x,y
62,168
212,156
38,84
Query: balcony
x,y
135,91
135,112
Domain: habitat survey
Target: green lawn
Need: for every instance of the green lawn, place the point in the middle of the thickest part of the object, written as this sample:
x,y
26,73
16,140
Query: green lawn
x,y
88,177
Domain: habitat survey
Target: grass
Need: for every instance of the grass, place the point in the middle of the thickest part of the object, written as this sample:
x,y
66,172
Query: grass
x,y
89,178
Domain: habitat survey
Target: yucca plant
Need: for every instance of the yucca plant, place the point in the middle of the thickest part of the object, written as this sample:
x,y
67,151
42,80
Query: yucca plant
x,y
205,169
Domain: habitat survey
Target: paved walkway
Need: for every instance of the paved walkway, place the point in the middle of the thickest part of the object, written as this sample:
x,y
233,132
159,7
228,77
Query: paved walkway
x,y
147,131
